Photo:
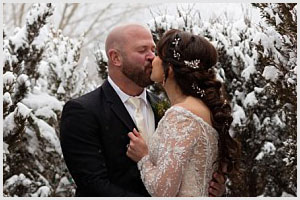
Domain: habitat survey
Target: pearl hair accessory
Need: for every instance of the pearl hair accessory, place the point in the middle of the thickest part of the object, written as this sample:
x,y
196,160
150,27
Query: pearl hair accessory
x,y
176,40
176,55
193,64
198,90
175,43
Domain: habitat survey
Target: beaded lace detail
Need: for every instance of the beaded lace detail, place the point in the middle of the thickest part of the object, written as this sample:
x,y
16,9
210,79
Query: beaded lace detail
x,y
182,152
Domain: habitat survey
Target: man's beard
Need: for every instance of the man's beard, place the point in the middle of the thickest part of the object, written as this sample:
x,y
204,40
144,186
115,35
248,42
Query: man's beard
x,y
137,75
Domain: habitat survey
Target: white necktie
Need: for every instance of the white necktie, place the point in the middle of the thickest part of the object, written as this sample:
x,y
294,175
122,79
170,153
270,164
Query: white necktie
x,y
138,115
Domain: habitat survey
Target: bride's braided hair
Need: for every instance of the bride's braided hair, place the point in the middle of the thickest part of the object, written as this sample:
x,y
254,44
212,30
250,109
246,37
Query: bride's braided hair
x,y
192,58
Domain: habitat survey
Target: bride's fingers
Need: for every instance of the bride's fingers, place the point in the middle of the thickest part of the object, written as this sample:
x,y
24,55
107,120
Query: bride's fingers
x,y
219,178
213,192
215,186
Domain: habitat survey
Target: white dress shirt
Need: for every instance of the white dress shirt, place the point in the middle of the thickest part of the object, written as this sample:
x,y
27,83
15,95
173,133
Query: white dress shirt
x,y
145,106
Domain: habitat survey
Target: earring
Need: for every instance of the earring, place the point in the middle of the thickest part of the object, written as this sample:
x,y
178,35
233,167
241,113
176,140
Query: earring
x,y
164,80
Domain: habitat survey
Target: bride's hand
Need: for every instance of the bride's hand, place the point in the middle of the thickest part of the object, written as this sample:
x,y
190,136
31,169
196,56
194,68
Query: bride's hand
x,y
137,147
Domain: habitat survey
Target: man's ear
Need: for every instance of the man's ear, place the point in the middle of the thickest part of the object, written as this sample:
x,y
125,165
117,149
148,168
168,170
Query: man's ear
x,y
115,57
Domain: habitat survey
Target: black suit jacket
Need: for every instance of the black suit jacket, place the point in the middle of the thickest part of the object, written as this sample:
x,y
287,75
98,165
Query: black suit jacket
x,y
93,135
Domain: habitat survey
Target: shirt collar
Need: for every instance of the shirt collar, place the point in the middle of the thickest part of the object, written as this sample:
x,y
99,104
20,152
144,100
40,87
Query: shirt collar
x,y
123,96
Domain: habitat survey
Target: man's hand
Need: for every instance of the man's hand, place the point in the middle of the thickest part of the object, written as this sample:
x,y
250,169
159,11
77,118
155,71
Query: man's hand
x,y
137,148
217,184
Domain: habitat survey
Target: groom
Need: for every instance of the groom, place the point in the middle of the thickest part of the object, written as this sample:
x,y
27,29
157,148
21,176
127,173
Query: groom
x,y
94,127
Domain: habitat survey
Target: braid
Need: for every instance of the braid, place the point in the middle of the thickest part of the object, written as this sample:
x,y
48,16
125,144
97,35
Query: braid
x,y
229,149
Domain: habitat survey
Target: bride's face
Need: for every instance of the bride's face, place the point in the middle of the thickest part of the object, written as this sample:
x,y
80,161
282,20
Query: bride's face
x,y
157,74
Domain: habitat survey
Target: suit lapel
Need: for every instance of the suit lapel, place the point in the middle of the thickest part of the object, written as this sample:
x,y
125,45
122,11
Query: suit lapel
x,y
117,105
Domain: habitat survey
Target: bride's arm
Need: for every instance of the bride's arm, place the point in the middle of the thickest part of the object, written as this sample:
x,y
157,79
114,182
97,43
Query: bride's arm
x,y
179,135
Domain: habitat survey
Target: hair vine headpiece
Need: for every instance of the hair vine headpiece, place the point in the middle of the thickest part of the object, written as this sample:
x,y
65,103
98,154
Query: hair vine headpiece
x,y
176,54
198,90
193,64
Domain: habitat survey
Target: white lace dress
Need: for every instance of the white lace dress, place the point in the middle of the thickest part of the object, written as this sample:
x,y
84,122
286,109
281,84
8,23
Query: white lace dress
x,y
181,155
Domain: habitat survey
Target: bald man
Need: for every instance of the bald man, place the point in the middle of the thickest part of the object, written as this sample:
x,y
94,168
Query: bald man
x,y
94,127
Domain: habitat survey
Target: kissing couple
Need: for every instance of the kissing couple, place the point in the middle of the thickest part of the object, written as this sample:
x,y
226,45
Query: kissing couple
x,y
115,144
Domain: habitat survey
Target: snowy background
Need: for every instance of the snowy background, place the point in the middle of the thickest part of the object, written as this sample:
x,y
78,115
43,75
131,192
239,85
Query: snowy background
x,y
53,53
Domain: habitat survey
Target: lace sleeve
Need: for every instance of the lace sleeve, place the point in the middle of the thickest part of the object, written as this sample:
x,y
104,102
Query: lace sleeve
x,y
179,133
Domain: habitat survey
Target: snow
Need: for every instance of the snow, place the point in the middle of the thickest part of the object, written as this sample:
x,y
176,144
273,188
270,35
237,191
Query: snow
x,y
5,148
256,122
42,38
9,124
7,55
16,180
32,141
277,19
268,148
166,22
239,95
285,194
11,181
259,156
62,184
23,79
248,71
258,90
196,30
238,115
23,110
276,120
104,56
61,89
7,98
45,112
37,11
43,68
271,73
269,11
49,134
19,39
250,99
43,191
9,121
8,78
39,100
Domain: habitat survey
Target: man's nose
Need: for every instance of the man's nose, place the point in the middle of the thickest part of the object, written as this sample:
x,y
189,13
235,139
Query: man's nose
x,y
151,56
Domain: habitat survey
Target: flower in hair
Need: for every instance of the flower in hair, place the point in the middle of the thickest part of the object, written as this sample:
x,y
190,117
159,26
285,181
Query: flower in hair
x,y
176,40
193,64
198,90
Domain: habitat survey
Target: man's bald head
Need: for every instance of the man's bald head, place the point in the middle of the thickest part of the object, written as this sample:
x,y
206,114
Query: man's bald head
x,y
118,37
130,51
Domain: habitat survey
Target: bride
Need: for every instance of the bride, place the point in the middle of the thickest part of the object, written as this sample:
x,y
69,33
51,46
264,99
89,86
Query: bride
x,y
192,139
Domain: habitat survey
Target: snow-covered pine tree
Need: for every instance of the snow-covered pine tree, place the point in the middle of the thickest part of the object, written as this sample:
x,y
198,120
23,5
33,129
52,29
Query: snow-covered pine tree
x,y
277,50
66,79
33,163
101,61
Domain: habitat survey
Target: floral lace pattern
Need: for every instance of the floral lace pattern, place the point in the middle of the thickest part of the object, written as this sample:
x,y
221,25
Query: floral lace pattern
x,y
182,152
